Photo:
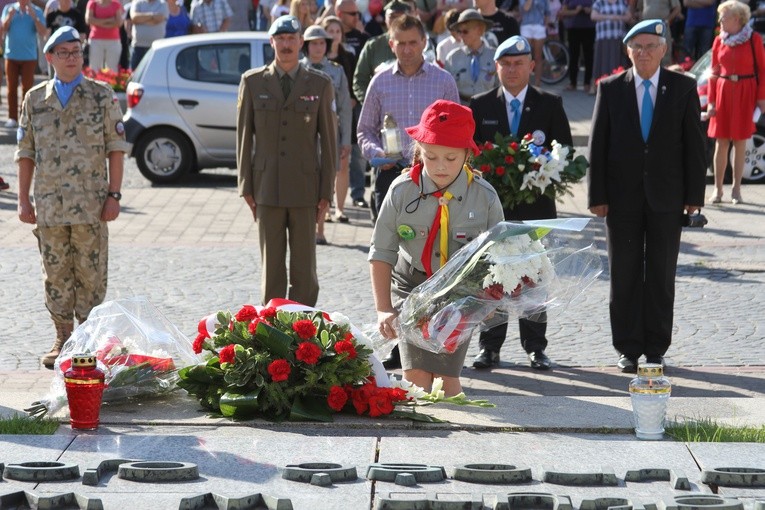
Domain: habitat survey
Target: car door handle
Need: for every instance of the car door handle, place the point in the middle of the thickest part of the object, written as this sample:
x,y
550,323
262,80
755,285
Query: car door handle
x,y
188,103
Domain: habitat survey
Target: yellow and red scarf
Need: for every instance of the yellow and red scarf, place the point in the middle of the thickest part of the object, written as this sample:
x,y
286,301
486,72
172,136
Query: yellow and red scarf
x,y
440,221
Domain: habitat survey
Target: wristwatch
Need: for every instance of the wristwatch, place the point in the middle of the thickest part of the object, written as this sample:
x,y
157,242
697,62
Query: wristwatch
x,y
116,195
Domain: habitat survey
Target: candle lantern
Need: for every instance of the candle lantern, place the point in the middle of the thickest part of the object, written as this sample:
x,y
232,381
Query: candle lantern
x,y
391,137
84,387
649,392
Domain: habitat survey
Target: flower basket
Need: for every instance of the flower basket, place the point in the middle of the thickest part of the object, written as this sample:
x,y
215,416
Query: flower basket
x,y
117,80
522,170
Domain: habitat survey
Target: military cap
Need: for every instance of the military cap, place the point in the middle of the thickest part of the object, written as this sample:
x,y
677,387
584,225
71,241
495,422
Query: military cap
x,y
648,26
513,46
398,6
315,32
60,36
470,15
284,25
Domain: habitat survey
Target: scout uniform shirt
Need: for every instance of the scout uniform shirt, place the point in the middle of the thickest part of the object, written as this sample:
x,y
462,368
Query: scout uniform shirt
x,y
404,223
70,146
458,63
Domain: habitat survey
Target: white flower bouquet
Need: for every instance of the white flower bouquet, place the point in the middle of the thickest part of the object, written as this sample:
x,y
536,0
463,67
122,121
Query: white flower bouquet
x,y
513,270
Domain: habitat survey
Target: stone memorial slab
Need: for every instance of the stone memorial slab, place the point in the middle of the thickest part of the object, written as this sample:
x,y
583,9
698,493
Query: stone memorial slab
x,y
15,449
715,456
231,461
569,453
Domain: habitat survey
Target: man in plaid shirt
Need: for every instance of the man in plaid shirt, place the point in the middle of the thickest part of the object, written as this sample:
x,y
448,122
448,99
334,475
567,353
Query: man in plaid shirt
x,y
210,16
402,90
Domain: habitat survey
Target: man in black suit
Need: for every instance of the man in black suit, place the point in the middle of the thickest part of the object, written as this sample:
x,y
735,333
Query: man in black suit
x,y
647,166
516,104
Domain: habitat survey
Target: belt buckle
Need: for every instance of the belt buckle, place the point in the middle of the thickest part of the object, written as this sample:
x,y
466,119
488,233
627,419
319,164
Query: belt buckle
x,y
733,77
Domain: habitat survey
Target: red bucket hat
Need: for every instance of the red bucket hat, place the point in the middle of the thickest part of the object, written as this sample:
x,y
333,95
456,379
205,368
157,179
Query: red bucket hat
x,y
446,123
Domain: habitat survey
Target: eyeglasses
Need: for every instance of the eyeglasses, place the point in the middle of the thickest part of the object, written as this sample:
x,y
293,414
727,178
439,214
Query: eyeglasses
x,y
63,55
357,13
648,48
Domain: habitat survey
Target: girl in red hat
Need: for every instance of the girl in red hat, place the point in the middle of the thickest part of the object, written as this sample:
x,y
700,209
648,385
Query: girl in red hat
x,y
432,209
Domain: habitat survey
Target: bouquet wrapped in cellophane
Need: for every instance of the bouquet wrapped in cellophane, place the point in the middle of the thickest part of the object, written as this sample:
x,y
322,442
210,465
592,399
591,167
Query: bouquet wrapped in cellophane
x,y
513,270
136,346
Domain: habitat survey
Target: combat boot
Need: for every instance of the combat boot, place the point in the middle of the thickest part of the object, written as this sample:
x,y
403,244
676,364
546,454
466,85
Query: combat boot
x,y
63,332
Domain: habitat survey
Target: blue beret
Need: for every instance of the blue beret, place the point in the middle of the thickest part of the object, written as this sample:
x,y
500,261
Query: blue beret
x,y
513,46
62,35
648,26
284,25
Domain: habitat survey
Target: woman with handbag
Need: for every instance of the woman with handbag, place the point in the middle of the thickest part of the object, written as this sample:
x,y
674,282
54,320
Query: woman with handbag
x,y
736,86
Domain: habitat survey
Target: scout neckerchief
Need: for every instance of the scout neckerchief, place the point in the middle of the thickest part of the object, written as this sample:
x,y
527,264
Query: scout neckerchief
x,y
440,220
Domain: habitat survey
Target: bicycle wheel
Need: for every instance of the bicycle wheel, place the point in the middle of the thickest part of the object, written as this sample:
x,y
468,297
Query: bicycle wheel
x,y
555,62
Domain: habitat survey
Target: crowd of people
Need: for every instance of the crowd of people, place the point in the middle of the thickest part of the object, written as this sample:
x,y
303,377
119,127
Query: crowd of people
x,y
349,98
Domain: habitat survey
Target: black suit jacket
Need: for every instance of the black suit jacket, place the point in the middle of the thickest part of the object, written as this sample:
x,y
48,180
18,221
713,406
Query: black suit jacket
x,y
541,111
668,171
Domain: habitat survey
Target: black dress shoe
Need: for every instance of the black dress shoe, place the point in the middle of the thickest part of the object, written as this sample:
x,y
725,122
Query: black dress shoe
x,y
658,360
486,359
627,364
539,360
361,203
393,360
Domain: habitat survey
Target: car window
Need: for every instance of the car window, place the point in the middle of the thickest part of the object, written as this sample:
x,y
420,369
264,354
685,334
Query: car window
x,y
214,63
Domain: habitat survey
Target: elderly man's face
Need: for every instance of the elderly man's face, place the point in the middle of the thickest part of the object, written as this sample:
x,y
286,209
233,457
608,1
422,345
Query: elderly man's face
x,y
646,52
514,72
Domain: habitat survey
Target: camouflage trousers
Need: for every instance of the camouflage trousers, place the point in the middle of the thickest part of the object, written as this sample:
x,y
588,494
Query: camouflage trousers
x,y
74,265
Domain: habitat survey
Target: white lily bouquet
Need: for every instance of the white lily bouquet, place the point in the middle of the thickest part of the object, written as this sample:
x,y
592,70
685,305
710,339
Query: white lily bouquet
x,y
513,270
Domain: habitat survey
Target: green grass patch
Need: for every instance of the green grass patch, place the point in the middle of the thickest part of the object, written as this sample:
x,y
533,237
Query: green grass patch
x,y
708,431
25,425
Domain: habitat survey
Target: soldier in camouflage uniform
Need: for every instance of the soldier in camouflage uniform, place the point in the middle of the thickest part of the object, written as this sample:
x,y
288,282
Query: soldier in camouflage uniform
x,y
69,127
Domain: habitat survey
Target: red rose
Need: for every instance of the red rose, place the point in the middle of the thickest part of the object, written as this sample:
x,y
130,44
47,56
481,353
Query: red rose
x,y
226,355
279,369
253,326
528,137
397,394
361,396
347,347
337,398
247,313
380,403
488,146
199,343
485,169
514,146
509,160
202,328
304,328
348,336
268,313
494,291
308,352
500,170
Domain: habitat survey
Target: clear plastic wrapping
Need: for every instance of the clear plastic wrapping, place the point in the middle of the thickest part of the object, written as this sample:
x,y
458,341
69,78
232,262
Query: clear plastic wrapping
x,y
138,348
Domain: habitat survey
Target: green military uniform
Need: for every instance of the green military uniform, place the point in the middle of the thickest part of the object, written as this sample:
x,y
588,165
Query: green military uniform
x,y
69,146
375,52
342,96
287,159
399,238
458,63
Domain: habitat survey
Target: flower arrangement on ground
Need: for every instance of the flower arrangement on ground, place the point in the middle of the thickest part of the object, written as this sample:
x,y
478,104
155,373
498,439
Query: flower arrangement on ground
x,y
512,270
287,361
117,80
523,170
279,364
137,348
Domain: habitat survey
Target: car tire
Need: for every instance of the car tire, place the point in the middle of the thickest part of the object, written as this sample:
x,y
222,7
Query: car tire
x,y
164,155
754,162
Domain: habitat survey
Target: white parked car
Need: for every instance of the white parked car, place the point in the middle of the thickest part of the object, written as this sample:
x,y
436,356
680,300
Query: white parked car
x,y
181,102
